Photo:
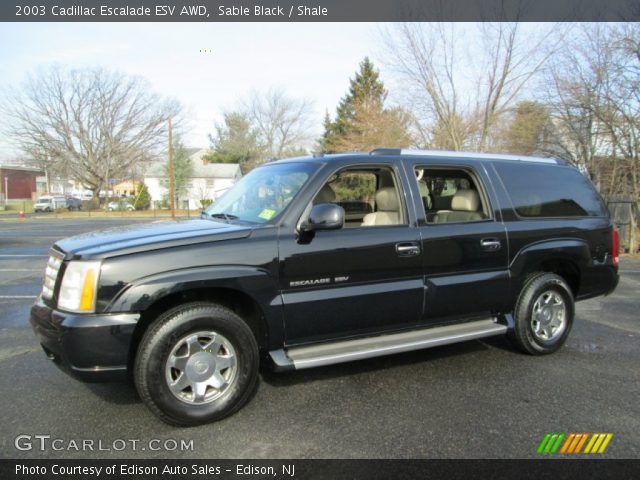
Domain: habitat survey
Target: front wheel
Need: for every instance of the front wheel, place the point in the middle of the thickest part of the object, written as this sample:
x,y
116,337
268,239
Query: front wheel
x,y
543,314
197,363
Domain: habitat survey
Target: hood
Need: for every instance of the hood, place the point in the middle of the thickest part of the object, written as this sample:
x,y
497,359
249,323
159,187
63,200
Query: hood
x,y
148,236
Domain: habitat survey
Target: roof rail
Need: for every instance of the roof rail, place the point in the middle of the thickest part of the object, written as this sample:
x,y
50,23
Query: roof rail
x,y
483,156
386,151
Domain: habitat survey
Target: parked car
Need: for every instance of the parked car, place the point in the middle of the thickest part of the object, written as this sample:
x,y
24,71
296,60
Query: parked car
x,y
120,205
276,272
48,203
73,203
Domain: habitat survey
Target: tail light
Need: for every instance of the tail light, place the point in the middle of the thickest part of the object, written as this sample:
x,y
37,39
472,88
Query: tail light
x,y
616,246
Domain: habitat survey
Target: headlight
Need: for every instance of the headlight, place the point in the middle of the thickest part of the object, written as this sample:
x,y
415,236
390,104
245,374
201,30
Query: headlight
x,y
78,288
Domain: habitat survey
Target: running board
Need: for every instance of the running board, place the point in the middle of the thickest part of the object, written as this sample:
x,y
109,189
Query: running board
x,y
348,350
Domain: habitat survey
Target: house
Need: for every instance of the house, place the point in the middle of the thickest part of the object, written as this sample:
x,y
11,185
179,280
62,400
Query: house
x,y
127,188
20,183
207,180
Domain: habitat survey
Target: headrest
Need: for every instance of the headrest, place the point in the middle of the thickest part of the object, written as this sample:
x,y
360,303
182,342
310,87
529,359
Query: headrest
x,y
465,200
424,192
387,200
325,195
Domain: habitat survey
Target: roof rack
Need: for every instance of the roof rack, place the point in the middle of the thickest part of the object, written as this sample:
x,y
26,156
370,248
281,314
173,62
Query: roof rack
x,y
385,151
467,155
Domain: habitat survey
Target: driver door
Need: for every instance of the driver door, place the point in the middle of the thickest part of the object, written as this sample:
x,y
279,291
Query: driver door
x,y
363,278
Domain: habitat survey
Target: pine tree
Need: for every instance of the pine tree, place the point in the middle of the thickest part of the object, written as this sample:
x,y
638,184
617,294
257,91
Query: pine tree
x,y
526,131
143,199
363,105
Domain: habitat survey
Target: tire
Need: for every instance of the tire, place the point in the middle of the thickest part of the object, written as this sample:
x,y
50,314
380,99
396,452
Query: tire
x,y
169,355
543,314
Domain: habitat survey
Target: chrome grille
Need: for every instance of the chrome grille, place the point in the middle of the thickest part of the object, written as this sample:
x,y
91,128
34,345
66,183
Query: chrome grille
x,y
50,276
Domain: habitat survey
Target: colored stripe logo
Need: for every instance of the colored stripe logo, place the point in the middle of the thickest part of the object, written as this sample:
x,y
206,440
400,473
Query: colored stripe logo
x,y
573,443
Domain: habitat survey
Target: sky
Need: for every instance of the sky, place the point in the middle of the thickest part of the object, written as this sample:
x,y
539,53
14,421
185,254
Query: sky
x,y
307,60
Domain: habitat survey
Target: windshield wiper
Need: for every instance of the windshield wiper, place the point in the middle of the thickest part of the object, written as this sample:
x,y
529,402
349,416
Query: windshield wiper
x,y
225,216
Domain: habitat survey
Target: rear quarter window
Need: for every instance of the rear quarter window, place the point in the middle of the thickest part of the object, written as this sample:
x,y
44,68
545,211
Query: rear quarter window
x,y
550,191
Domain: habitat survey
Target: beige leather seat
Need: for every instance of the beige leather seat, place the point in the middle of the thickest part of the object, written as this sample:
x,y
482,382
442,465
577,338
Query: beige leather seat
x,y
464,208
424,194
325,195
388,209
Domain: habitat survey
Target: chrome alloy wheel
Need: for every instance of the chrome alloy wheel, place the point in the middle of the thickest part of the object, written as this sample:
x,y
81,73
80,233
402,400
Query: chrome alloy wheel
x,y
201,367
548,318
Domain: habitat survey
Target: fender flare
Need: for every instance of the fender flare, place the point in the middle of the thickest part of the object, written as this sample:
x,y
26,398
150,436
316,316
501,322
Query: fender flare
x,y
258,284
573,250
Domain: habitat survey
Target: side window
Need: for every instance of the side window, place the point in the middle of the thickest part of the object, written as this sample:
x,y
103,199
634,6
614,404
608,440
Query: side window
x,y
550,191
369,196
450,195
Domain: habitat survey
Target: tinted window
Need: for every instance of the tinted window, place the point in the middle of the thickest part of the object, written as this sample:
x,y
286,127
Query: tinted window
x,y
550,191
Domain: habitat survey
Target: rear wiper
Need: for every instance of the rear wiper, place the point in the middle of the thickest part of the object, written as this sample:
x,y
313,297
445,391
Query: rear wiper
x,y
227,217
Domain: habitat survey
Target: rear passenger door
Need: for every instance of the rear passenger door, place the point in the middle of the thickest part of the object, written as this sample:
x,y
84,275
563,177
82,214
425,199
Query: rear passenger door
x,y
464,243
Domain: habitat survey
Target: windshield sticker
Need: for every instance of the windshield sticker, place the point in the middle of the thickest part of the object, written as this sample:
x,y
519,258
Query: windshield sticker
x,y
267,214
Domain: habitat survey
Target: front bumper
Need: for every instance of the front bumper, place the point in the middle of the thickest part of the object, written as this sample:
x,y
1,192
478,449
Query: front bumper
x,y
90,347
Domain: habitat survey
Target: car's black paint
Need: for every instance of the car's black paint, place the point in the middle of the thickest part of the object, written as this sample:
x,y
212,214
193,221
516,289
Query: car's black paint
x,y
332,284
89,347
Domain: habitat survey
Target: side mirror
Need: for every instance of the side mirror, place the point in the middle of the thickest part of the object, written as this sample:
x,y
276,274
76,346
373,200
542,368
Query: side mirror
x,y
325,216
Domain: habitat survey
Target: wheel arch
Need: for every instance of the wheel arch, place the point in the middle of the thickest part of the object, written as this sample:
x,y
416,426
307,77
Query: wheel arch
x,y
229,287
564,257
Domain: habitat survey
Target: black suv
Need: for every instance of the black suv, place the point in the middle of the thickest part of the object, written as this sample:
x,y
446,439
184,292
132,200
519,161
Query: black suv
x,y
319,260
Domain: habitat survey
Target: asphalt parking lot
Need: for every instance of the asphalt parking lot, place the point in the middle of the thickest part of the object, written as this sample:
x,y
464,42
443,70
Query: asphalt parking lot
x,y
473,400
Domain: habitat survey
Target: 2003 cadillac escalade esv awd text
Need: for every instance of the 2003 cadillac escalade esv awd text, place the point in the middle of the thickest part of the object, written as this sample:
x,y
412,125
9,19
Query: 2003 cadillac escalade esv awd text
x,y
319,260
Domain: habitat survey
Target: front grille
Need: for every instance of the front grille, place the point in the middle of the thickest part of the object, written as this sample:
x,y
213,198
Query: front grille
x,y
50,276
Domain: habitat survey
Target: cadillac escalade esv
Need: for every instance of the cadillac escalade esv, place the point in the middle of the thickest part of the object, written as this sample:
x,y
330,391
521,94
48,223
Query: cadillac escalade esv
x,y
319,260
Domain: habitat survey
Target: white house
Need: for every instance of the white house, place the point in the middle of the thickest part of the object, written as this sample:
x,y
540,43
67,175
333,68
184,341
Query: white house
x,y
208,180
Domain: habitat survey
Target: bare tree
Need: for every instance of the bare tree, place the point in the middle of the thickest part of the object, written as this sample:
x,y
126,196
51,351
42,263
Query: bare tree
x,y
575,82
621,115
594,96
94,124
283,123
460,91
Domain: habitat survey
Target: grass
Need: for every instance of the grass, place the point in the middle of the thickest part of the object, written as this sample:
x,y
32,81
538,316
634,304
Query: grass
x,y
14,208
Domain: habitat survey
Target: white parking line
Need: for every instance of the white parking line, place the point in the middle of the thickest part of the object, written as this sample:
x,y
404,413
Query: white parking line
x,y
11,256
10,297
20,269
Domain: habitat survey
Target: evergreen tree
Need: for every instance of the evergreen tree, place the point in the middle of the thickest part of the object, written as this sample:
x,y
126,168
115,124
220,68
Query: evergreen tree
x,y
525,134
182,169
143,199
235,141
361,120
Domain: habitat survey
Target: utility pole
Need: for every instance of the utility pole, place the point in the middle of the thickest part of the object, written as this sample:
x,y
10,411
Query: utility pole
x,y
172,186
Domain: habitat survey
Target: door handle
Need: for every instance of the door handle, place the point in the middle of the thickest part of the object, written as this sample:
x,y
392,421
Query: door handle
x,y
407,249
491,244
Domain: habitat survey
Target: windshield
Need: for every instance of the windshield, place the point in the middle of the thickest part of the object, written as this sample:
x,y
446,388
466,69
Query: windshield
x,y
262,195
44,200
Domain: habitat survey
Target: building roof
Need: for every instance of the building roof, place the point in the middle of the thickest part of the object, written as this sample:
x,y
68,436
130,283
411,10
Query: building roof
x,y
22,168
200,168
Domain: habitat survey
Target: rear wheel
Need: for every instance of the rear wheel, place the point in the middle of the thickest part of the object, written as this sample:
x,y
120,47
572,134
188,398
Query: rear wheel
x,y
196,363
543,314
